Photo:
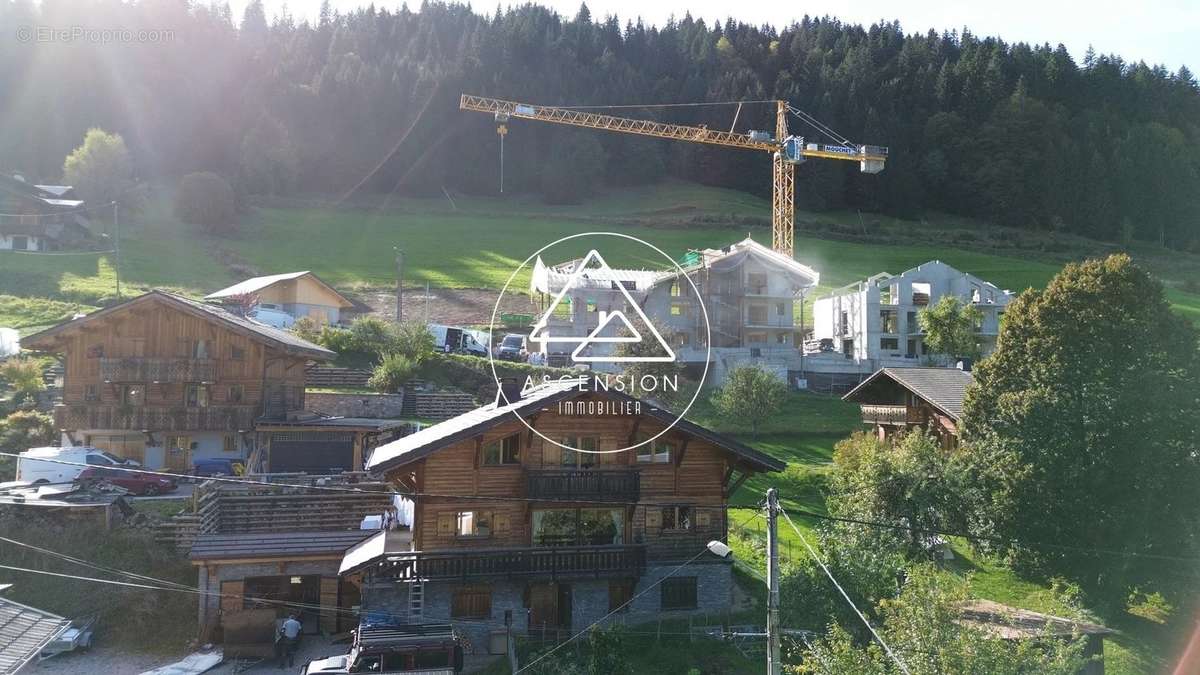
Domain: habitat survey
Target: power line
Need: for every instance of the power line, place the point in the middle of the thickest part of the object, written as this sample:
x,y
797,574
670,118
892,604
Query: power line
x,y
903,666
618,609
999,540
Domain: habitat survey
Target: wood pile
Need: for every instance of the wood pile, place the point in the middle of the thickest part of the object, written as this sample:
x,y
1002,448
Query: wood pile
x,y
326,377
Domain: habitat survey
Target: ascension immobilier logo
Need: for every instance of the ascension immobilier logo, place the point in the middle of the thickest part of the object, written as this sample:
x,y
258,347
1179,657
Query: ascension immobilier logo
x,y
594,353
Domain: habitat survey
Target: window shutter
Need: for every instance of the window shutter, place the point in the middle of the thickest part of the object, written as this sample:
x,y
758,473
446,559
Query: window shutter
x,y
231,596
502,523
703,518
653,517
445,525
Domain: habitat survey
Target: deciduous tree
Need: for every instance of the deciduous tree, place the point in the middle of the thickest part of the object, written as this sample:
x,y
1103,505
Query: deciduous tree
x,y
750,395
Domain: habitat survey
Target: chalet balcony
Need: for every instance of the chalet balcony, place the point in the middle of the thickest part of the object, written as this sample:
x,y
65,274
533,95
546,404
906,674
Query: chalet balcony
x,y
616,485
154,418
551,561
138,369
886,414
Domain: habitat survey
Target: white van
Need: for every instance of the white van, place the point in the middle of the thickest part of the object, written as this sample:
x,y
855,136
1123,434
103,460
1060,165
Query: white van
x,y
33,466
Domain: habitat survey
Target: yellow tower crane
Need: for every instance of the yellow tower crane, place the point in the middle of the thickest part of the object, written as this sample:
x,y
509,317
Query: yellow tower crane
x,y
786,150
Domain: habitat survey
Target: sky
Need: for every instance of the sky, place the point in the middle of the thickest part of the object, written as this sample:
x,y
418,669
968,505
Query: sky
x,y
1163,32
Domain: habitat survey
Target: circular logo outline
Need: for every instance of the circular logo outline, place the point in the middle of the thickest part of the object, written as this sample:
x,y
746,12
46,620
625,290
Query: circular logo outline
x,y
703,311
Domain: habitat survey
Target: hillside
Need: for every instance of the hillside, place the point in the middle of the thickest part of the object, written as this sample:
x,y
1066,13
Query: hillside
x,y
350,245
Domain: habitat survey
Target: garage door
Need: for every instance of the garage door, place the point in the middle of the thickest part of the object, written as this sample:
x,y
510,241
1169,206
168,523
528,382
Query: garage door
x,y
312,452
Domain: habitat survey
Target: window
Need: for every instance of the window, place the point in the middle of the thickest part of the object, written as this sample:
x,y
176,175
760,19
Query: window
x,y
620,593
678,309
682,339
237,393
888,321
914,326
657,451
578,527
675,289
889,344
677,517
193,349
845,323
678,593
848,348
133,394
20,243
471,602
195,395
179,443
237,353
91,392
781,338
95,351
574,458
591,306
756,282
501,451
229,443
472,524
135,347
780,309
757,337
758,314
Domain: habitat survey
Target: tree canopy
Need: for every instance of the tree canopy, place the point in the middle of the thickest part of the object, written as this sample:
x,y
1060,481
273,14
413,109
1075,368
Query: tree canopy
x,y
950,327
1013,133
1082,428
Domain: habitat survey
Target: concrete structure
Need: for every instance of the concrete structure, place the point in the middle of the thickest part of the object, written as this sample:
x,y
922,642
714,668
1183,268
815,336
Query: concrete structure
x,y
873,323
297,294
752,296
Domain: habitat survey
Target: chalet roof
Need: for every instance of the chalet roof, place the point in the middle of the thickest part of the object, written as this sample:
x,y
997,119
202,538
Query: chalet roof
x,y
374,548
50,195
24,632
1013,623
256,284
279,338
275,544
943,388
468,425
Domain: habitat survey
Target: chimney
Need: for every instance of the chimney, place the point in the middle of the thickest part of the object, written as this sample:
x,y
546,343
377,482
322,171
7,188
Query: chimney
x,y
509,391
965,365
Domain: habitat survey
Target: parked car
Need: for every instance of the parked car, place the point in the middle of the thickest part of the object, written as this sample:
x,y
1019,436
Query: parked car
x,y
272,316
63,465
217,466
512,348
137,483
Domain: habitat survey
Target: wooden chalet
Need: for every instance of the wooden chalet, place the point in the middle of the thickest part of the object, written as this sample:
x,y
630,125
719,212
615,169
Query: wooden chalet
x,y
40,217
508,524
166,380
895,399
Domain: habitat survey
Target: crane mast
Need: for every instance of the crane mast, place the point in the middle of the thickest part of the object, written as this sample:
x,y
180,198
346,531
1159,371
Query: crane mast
x,y
786,150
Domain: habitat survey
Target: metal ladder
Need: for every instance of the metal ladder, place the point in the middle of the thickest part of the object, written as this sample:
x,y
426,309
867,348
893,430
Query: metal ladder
x,y
416,601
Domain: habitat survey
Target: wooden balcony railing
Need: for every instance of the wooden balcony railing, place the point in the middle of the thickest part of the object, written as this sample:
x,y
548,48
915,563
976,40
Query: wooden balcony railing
x,y
154,418
616,485
885,414
553,562
137,369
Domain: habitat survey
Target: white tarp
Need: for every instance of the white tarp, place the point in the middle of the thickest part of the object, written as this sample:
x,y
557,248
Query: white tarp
x,y
10,342
192,664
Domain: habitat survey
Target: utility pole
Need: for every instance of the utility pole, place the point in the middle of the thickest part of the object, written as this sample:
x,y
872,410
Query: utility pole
x,y
774,664
399,284
117,246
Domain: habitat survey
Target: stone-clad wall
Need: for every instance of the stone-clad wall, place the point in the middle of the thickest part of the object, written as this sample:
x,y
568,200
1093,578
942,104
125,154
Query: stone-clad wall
x,y
589,600
379,406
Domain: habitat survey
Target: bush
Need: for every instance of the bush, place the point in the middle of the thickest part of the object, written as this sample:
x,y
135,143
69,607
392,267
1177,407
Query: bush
x,y
414,340
206,199
393,371
307,328
23,376
26,429
372,336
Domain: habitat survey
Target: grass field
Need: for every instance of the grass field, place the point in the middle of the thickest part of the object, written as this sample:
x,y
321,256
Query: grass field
x,y
480,241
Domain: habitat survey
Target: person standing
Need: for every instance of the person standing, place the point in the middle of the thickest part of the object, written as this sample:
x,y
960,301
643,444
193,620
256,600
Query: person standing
x,y
289,636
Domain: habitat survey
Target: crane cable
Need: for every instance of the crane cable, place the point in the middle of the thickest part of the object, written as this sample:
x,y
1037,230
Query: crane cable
x,y
821,126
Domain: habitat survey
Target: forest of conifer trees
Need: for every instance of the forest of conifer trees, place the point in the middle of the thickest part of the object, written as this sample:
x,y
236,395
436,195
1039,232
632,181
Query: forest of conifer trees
x,y
1015,134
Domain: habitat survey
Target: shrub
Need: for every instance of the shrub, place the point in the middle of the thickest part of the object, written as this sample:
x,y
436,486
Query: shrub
x,y
414,340
307,328
206,199
372,336
26,429
393,371
23,376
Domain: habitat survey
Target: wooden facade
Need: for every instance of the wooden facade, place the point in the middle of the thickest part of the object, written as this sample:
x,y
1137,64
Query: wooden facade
x,y
661,505
161,365
899,399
